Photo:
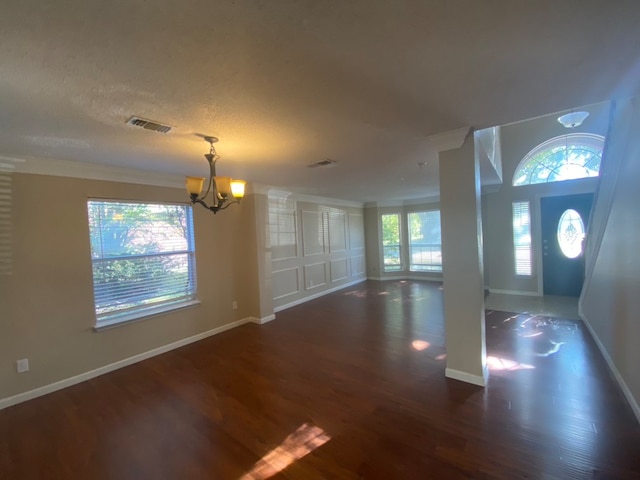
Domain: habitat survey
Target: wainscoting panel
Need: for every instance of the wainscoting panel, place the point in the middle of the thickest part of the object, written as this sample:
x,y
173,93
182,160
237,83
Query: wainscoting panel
x,y
358,265
315,275
285,282
356,231
338,269
316,247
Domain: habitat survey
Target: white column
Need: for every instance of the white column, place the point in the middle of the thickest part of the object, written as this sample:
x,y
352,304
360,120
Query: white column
x,y
460,210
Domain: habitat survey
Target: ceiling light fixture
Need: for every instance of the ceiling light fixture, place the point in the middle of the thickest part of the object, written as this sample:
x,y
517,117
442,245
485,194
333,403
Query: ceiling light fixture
x,y
222,188
573,119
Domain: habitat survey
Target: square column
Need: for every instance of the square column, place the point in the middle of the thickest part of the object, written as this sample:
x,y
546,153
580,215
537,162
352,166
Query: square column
x,y
461,224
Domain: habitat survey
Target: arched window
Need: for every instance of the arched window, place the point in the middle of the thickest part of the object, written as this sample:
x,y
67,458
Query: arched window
x,y
576,155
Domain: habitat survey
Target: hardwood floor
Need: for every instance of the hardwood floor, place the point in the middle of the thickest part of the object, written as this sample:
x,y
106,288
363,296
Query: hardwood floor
x,y
348,386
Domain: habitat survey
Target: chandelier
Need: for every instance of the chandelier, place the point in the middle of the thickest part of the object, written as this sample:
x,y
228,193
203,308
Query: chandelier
x,y
225,190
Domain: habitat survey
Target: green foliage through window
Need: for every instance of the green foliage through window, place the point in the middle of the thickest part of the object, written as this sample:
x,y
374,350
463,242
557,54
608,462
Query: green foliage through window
x,y
143,256
568,157
425,245
391,242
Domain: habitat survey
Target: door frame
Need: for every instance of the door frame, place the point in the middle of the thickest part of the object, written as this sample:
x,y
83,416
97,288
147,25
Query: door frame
x,y
536,240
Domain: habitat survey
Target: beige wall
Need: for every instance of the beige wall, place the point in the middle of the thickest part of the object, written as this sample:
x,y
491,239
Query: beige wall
x,y
46,305
518,140
315,247
610,300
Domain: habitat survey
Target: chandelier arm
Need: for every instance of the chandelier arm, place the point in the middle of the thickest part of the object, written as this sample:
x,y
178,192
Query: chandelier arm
x,y
200,201
228,204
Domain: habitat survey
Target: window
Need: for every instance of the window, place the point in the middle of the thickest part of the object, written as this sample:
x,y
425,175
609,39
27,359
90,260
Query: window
x,y
568,157
424,242
392,260
522,238
571,233
143,258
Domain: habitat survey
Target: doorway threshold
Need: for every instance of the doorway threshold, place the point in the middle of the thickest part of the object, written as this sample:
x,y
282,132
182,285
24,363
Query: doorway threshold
x,y
548,305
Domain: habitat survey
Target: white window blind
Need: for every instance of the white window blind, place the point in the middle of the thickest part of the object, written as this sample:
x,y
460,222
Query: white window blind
x,y
6,253
425,245
522,238
143,258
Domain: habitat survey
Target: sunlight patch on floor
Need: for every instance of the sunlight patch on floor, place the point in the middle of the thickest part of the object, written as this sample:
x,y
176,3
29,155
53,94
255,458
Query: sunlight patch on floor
x,y
420,345
497,363
301,442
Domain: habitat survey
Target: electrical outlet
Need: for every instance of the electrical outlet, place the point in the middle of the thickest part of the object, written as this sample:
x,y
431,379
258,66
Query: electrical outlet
x,y
234,305
22,365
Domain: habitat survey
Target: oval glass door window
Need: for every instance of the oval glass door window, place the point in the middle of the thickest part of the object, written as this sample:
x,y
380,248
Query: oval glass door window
x,y
571,233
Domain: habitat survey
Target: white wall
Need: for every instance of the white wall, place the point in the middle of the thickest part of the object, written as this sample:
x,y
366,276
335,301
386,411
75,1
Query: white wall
x,y
518,140
316,246
610,300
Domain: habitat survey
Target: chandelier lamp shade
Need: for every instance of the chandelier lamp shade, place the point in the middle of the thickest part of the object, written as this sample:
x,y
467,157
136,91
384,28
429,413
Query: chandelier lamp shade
x,y
224,191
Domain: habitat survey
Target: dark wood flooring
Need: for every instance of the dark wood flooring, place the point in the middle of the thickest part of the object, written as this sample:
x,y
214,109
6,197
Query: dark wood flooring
x,y
348,386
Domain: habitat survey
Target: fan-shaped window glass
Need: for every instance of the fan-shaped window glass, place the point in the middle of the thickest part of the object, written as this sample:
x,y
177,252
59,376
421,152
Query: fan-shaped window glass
x,y
567,157
570,233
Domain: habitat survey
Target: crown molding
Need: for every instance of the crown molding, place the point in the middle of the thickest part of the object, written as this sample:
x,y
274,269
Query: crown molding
x,y
301,197
404,203
92,171
449,140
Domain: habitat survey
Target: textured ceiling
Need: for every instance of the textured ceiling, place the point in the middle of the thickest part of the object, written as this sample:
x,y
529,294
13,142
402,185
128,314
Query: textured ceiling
x,y
287,83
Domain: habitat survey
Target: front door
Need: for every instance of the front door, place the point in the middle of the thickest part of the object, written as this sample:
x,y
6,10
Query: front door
x,y
564,223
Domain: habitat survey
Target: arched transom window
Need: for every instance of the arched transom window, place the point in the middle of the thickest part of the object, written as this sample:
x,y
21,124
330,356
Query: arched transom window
x,y
568,157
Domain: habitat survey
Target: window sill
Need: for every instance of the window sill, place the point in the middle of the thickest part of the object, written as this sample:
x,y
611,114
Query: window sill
x,y
126,319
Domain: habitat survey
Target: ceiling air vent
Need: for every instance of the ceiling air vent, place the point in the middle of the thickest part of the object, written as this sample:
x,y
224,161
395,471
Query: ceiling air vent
x,y
327,162
149,125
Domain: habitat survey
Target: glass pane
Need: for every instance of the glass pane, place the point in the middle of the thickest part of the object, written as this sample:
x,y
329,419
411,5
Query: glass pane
x,y
142,254
568,157
391,242
424,241
522,238
571,233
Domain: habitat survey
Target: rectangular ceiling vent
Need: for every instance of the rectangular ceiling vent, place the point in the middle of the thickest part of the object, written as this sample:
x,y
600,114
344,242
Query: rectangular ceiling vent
x,y
149,125
327,162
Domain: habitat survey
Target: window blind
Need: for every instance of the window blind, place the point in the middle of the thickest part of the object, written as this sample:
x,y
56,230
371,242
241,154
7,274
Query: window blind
x,y
143,258
6,251
522,238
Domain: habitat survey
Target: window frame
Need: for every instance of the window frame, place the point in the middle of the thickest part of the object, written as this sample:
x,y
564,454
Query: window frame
x,y
436,268
400,266
586,141
153,305
522,246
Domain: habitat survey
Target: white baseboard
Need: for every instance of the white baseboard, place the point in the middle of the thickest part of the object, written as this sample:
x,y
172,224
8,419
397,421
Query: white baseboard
x,y
480,380
526,293
67,382
263,320
317,295
623,385
406,277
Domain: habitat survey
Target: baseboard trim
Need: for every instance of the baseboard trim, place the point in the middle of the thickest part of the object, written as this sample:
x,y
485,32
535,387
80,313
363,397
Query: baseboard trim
x,y
263,320
612,366
407,277
525,293
67,382
479,380
317,295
